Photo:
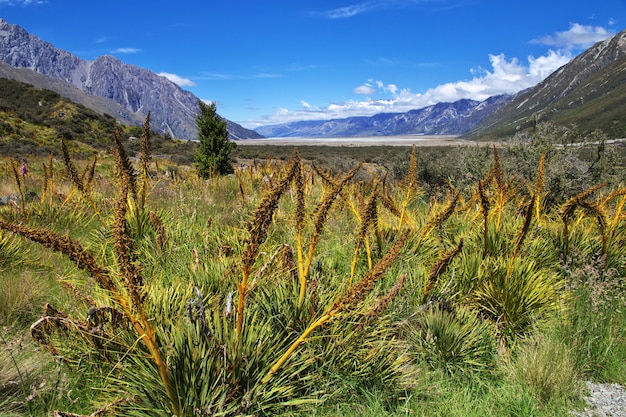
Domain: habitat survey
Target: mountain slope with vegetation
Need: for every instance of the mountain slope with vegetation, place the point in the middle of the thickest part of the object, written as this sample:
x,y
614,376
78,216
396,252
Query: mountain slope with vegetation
x,y
589,92
98,104
136,90
33,120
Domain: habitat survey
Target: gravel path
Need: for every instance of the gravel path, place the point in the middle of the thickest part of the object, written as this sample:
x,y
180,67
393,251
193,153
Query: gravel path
x,y
604,400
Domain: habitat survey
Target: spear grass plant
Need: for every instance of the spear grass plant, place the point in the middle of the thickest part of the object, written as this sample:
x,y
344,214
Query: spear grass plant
x,y
516,297
509,285
355,294
258,230
20,187
79,182
212,311
368,220
452,340
126,288
321,215
579,201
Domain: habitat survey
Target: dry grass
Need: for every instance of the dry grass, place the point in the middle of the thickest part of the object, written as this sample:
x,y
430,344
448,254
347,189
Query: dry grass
x,y
546,367
21,297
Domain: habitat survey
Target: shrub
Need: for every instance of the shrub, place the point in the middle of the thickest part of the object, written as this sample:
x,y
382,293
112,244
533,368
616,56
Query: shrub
x,y
455,341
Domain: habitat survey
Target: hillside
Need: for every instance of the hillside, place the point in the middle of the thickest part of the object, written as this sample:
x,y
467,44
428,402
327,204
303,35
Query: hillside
x,y
98,104
136,90
32,120
589,92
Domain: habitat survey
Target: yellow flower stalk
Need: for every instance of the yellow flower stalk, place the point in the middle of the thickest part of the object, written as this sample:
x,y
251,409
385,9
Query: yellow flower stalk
x,y
323,210
351,299
258,229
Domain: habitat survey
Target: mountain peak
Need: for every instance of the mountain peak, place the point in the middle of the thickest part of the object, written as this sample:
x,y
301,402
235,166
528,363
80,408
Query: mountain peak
x,y
589,92
139,91
439,119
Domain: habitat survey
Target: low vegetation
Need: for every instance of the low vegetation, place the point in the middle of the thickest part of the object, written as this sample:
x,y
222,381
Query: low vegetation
x,y
492,284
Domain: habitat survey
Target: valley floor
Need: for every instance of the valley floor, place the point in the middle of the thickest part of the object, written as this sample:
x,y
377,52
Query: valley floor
x,y
404,140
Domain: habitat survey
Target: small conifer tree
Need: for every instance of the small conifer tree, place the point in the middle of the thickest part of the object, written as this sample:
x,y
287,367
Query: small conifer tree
x,y
214,155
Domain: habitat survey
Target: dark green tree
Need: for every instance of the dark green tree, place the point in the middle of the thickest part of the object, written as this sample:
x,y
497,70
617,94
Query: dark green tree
x,y
214,155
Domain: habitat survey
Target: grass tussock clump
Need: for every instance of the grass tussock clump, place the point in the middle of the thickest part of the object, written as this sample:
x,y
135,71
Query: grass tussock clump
x,y
546,367
288,288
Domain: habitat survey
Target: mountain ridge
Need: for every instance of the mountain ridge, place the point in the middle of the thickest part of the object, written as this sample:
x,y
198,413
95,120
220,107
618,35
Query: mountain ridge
x,y
437,119
589,91
138,90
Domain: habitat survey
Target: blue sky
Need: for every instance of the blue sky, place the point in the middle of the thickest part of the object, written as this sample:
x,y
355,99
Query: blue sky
x,y
267,62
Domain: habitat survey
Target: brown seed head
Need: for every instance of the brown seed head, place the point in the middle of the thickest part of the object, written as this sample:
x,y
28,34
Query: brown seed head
x,y
411,179
568,209
125,170
389,204
484,199
439,218
83,259
359,291
72,173
440,267
527,220
263,216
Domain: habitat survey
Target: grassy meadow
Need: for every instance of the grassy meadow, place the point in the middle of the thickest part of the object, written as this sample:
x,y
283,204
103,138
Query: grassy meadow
x,y
451,281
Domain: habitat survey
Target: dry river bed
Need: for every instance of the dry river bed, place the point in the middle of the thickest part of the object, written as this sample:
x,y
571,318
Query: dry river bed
x,y
405,140
604,400
400,140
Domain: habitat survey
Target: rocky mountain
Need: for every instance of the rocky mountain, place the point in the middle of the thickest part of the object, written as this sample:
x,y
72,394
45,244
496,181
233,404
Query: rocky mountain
x,y
100,104
589,92
439,119
135,90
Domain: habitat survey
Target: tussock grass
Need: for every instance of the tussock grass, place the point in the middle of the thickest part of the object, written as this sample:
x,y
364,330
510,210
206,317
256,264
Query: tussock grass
x,y
288,288
545,365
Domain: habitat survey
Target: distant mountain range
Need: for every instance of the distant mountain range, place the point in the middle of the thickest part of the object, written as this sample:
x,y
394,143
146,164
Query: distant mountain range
x,y
439,119
589,91
129,91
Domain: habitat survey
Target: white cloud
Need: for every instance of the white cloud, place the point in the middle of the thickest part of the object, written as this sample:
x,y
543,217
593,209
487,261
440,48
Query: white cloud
x,y
506,76
392,88
177,79
125,51
22,2
365,90
368,6
349,11
543,66
576,37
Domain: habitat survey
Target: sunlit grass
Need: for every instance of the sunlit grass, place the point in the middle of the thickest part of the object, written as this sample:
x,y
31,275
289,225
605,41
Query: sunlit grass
x,y
414,308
